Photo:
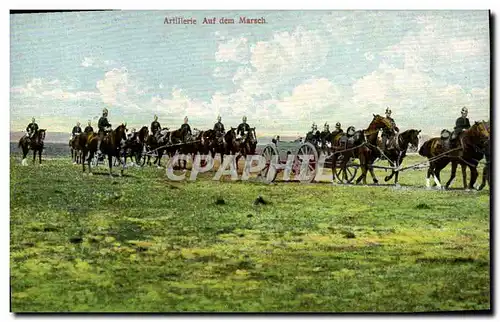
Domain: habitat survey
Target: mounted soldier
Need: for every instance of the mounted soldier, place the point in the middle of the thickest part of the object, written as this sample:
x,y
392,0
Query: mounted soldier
x,y
89,128
186,129
31,128
219,129
387,134
155,127
461,124
347,138
325,135
104,127
338,130
76,130
242,129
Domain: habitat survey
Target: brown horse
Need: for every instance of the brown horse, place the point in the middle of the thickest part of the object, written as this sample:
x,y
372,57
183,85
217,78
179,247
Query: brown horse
x,y
396,152
76,152
156,147
35,144
486,169
467,153
241,148
134,146
363,147
110,146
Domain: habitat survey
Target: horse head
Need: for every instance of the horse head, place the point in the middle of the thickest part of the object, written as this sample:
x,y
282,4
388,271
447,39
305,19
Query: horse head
x,y
411,137
120,132
143,133
40,136
380,122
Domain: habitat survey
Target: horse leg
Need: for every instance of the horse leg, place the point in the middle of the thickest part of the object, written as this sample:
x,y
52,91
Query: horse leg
x,y
430,172
473,177
372,173
110,164
437,175
464,175
40,156
454,165
485,178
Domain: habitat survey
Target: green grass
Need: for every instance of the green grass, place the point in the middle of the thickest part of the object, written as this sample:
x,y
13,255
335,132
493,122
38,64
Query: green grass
x,y
143,243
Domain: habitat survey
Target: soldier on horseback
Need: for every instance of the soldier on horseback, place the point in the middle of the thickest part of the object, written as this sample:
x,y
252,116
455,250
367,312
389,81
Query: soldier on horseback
x,y
31,128
387,134
219,129
338,129
186,128
461,124
242,129
104,127
89,128
155,127
76,130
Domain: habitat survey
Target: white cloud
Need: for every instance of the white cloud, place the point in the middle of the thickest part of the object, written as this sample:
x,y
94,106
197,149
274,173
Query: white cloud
x,y
235,50
416,99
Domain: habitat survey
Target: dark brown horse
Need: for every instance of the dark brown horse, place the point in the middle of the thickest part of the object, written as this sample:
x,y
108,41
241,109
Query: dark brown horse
x,y
468,152
243,147
218,145
396,151
35,144
156,146
362,147
76,152
111,146
134,146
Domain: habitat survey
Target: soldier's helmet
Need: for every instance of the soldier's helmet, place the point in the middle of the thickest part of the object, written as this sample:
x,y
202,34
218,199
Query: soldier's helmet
x,y
464,111
156,117
77,123
244,119
337,126
89,122
326,126
219,118
388,111
185,119
33,120
105,111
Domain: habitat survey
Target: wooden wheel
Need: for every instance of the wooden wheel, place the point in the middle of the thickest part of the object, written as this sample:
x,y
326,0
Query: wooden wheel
x,y
302,172
351,171
271,155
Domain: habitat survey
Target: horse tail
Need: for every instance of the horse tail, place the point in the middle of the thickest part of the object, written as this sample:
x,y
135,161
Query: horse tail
x,y
425,149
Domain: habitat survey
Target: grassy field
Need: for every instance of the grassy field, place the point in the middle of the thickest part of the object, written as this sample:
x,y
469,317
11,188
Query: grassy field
x,y
143,243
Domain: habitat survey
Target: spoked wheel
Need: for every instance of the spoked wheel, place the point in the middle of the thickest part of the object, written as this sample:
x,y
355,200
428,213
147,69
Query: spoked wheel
x,y
271,155
302,172
351,171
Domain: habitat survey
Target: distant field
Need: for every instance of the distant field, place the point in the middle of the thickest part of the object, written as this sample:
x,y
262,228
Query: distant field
x,y
143,243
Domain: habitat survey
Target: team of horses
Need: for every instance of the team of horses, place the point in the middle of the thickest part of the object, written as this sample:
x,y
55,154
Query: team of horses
x,y
365,145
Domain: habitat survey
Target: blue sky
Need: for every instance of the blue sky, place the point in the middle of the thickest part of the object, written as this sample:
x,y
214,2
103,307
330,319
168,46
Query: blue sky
x,y
298,68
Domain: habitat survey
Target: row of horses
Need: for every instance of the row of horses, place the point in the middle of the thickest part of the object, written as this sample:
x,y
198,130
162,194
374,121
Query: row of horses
x,y
365,145
117,145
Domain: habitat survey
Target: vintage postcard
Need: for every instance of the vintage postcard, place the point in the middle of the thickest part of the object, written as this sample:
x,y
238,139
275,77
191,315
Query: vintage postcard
x,y
250,161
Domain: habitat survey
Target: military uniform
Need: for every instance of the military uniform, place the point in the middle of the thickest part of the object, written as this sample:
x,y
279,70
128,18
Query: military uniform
x,y
155,127
185,127
219,129
31,129
387,134
88,129
461,124
103,126
243,128
76,130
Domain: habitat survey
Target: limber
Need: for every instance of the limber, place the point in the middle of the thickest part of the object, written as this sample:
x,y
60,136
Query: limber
x,y
205,163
